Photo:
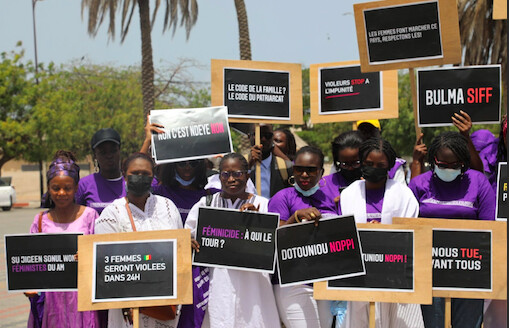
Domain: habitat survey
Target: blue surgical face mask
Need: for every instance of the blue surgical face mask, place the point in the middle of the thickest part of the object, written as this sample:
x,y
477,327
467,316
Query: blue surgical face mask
x,y
447,175
182,181
309,192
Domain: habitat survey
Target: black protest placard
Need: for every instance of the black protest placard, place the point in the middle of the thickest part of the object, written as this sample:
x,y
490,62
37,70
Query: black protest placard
x,y
190,133
346,89
42,262
389,259
403,32
236,240
135,270
462,260
443,92
502,208
257,93
306,253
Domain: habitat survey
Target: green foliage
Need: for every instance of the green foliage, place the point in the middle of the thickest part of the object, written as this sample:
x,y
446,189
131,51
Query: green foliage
x,y
321,135
400,132
70,103
18,94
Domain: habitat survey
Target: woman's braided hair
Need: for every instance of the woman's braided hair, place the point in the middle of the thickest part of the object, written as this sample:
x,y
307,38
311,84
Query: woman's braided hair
x,y
455,142
380,145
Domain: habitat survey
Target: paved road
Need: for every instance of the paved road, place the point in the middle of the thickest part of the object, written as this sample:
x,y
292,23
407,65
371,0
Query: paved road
x,y
14,307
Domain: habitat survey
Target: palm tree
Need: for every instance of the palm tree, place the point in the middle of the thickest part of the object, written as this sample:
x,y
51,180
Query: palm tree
x,y
245,54
244,41
483,40
99,9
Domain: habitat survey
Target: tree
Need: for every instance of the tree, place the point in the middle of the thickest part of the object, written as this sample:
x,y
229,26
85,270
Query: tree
x,y
99,9
79,100
483,40
18,95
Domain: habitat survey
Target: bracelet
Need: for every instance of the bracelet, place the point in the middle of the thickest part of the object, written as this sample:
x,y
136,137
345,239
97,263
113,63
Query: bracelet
x,y
296,217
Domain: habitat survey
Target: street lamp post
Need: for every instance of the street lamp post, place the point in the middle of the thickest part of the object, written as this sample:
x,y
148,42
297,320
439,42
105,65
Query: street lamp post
x,y
41,181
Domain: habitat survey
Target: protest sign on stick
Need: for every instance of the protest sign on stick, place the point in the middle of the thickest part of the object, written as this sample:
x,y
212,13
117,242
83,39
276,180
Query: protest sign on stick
x,y
135,269
340,92
190,133
236,240
441,92
41,262
306,253
398,267
502,207
258,92
469,257
397,34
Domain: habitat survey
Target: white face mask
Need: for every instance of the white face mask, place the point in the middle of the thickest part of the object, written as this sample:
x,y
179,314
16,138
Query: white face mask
x,y
309,192
447,175
182,181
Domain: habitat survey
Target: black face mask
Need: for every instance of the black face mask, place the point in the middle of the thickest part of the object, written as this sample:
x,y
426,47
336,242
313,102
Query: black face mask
x,y
374,174
139,185
351,175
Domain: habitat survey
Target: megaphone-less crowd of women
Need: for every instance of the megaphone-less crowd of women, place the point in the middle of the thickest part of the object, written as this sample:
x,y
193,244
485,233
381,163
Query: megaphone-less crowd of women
x,y
367,179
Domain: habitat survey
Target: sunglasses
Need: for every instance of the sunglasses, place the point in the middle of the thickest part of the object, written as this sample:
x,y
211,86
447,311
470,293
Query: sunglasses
x,y
310,170
345,165
192,164
225,175
445,165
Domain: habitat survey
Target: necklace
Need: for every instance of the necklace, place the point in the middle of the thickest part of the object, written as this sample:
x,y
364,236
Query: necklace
x,y
73,216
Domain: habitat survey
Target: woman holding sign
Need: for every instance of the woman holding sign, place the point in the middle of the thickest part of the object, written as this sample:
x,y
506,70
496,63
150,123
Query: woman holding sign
x,y
306,200
64,215
139,211
452,190
377,199
236,298
182,182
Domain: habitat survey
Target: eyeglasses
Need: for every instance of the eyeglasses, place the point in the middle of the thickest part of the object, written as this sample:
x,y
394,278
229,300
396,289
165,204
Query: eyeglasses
x,y
445,165
310,170
225,175
192,164
345,165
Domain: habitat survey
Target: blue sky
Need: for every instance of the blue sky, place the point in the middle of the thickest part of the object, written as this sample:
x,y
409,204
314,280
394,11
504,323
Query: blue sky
x,y
293,31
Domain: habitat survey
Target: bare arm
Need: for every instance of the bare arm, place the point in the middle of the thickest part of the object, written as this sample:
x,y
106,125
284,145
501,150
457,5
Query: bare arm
x,y
419,153
464,123
149,129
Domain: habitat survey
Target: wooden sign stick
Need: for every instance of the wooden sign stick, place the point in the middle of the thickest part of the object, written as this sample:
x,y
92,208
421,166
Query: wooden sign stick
x,y
372,320
447,313
258,165
136,317
413,86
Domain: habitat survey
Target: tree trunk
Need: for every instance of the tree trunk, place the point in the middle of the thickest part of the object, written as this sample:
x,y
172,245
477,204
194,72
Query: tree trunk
x,y
147,66
4,159
244,41
245,54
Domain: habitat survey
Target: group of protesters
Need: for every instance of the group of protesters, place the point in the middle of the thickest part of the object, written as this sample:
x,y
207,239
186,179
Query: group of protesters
x,y
451,178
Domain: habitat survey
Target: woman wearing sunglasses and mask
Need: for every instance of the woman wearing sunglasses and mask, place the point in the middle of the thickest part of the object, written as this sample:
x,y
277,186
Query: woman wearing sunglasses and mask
x,y
305,201
182,182
377,199
236,298
140,210
347,166
452,190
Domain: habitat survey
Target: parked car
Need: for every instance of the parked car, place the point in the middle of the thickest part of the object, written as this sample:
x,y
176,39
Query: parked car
x,y
7,193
